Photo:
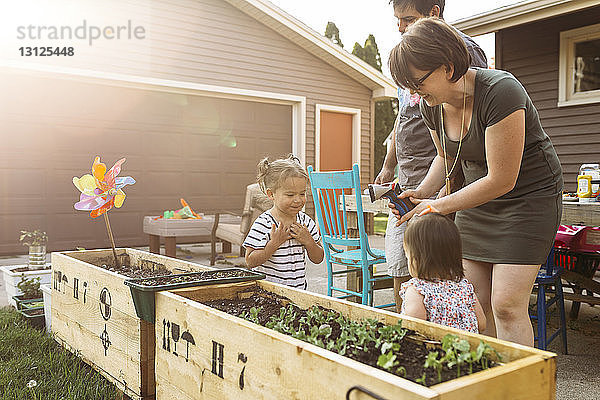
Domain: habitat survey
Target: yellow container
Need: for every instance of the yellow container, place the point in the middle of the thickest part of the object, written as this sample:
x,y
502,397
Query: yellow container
x,y
584,188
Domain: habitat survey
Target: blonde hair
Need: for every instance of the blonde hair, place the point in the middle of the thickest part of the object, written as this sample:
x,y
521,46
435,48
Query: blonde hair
x,y
272,174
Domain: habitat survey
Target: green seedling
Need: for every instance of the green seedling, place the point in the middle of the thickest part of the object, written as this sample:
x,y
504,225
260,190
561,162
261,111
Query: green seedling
x,y
355,338
483,352
433,362
387,361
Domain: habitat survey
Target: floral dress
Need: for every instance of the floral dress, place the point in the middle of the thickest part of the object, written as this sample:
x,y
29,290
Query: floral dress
x,y
447,302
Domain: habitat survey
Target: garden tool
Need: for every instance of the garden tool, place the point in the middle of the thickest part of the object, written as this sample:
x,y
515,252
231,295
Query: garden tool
x,y
390,191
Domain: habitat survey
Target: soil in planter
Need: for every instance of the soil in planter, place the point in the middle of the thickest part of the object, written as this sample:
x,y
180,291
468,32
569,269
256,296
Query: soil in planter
x,y
196,276
27,269
30,296
411,350
35,311
144,269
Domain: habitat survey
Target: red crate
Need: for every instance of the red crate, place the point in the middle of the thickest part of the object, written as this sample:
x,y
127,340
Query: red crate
x,y
584,263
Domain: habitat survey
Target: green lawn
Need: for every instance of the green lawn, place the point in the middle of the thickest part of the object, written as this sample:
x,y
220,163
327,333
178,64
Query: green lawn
x,y
34,366
380,224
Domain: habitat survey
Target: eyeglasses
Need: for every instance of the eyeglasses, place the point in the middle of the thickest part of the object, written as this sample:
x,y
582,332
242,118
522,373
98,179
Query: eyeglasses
x,y
417,85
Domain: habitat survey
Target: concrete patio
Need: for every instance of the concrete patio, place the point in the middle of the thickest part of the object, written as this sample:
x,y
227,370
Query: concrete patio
x,y
578,375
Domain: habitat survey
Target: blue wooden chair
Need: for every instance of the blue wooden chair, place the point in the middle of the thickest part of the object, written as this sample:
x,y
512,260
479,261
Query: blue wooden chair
x,y
548,277
329,191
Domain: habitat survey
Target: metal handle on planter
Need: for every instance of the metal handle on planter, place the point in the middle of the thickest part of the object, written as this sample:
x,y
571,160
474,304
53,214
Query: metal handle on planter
x,y
365,391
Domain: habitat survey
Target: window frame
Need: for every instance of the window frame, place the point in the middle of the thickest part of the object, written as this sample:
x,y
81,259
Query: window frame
x,y
566,69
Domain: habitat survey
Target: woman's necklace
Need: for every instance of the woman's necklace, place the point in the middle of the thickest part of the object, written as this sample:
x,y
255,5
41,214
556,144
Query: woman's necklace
x,y
462,126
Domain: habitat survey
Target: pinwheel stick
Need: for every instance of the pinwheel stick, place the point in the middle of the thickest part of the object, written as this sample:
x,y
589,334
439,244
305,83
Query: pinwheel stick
x,y
112,240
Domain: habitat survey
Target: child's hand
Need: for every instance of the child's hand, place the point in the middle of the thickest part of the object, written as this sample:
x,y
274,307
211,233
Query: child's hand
x,y
279,234
301,234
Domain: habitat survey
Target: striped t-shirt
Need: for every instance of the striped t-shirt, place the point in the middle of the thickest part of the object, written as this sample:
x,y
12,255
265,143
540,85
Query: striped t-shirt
x,y
287,265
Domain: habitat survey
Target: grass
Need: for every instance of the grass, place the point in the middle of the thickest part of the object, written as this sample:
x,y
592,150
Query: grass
x,y
380,224
34,366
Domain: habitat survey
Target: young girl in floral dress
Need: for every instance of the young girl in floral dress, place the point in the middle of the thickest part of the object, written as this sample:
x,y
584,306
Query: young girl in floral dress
x,y
438,291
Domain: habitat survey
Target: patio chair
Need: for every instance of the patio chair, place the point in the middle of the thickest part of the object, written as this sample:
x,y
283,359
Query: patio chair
x,y
234,233
549,276
329,191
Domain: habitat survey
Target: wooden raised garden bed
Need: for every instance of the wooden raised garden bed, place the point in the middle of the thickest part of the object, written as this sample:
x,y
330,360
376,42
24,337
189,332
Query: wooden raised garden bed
x,y
93,313
204,353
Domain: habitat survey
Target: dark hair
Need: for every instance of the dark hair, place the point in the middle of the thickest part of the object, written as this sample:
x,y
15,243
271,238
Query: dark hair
x,y
422,6
272,174
434,247
426,45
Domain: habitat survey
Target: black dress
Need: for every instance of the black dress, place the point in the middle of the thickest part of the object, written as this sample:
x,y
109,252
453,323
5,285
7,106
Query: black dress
x,y
518,227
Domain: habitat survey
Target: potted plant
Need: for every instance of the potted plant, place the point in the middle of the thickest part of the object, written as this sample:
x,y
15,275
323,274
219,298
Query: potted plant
x,y
34,317
36,267
47,295
31,294
30,304
36,240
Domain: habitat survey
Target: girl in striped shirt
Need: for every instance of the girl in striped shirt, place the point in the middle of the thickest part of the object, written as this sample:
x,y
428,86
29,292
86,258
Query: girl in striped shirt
x,y
278,239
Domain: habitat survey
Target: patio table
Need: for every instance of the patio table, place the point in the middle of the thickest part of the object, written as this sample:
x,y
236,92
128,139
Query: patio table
x,y
171,229
575,213
583,214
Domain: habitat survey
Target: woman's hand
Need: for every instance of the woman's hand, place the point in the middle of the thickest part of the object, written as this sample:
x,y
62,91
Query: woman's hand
x,y
421,206
415,197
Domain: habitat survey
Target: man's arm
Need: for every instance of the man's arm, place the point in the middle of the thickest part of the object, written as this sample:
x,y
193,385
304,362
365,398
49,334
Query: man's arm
x,y
389,163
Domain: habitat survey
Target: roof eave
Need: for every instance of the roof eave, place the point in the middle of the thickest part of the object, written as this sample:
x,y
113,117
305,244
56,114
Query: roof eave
x,y
519,14
316,44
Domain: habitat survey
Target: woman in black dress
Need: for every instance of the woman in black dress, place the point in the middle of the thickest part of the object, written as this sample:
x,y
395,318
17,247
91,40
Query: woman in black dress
x,y
510,206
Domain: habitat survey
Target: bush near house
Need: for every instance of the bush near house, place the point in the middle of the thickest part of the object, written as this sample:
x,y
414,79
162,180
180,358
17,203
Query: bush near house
x,y
380,224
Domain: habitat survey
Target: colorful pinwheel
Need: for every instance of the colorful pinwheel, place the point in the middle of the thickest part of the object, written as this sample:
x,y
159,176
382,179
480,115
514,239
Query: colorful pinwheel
x,y
101,190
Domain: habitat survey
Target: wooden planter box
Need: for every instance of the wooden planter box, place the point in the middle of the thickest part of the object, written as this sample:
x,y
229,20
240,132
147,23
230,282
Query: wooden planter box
x,y
225,357
93,315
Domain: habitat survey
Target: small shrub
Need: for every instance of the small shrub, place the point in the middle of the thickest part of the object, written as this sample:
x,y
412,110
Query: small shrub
x,y
30,287
33,238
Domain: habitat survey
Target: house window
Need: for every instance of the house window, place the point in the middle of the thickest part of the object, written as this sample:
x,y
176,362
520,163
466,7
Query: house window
x,y
579,68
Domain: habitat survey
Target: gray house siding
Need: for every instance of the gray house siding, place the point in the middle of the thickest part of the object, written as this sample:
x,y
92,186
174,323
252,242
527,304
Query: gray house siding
x,y
531,53
205,42
212,42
